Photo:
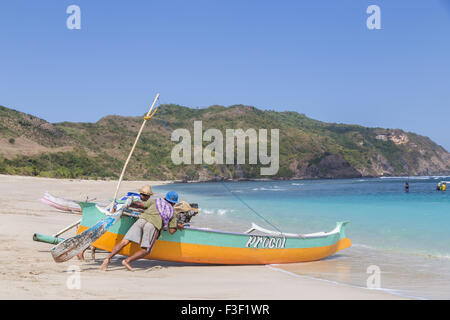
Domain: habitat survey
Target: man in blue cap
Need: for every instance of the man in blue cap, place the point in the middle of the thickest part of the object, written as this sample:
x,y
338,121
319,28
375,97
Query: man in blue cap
x,y
158,214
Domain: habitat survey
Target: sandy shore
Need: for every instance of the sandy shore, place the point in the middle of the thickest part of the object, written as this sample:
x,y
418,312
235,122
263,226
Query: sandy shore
x,y
27,270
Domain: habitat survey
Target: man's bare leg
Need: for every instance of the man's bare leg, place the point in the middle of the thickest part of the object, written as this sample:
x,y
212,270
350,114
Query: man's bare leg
x,y
80,256
93,253
139,254
114,251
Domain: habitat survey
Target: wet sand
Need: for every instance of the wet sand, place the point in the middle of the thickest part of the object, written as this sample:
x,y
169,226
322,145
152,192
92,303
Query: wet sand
x,y
27,270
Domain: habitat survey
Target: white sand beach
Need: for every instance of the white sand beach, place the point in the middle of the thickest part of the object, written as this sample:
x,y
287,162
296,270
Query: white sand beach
x,y
27,270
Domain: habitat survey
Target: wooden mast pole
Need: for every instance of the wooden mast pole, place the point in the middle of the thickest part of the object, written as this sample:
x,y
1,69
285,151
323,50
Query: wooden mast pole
x,y
134,146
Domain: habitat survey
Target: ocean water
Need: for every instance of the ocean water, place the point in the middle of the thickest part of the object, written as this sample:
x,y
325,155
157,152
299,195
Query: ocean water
x,y
406,235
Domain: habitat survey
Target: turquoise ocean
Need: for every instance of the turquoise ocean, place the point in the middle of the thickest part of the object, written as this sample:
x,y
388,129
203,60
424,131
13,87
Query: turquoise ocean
x,y
406,235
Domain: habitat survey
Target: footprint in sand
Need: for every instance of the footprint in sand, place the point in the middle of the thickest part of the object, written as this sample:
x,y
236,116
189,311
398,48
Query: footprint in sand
x,y
153,268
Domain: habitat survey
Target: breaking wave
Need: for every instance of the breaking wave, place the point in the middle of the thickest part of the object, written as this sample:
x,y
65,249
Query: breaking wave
x,y
219,212
269,189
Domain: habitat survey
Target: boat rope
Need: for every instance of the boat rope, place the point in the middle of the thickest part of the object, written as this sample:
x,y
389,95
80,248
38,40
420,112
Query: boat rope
x,y
218,179
152,114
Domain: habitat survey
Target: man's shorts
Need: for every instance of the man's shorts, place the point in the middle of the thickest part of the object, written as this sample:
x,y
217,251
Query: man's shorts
x,y
145,230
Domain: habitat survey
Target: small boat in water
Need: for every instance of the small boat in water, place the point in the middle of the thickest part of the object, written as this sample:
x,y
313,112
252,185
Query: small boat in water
x,y
442,185
197,245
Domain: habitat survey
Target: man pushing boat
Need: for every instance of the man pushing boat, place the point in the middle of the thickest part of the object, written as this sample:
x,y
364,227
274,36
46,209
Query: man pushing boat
x,y
144,192
158,214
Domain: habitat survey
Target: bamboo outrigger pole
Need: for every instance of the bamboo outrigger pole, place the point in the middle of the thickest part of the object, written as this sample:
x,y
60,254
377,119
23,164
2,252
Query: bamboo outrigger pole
x,y
73,225
148,117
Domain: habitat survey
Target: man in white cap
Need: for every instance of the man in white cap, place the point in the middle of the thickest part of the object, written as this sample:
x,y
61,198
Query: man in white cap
x,y
158,214
144,194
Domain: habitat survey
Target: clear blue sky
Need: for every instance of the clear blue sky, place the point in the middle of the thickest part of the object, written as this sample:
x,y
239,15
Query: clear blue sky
x,y
315,57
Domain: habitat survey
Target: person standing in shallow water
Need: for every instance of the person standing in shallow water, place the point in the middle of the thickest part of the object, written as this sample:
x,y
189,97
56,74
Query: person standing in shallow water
x,y
158,214
406,186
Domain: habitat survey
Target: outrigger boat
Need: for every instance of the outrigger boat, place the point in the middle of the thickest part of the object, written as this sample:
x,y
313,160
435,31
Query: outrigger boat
x,y
72,206
64,204
197,245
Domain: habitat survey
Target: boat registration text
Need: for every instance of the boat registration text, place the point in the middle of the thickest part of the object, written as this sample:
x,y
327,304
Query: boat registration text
x,y
266,242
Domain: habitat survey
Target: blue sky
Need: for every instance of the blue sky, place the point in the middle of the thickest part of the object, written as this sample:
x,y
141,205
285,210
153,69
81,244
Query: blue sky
x,y
314,57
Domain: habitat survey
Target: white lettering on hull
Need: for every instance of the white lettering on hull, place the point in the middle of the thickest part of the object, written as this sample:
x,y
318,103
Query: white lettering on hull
x,y
266,242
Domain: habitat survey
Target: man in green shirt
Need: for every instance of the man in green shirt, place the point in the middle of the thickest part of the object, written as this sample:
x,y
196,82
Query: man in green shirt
x,y
158,214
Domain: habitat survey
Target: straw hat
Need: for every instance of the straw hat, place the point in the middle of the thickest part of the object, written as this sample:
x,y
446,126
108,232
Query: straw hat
x,y
183,206
146,190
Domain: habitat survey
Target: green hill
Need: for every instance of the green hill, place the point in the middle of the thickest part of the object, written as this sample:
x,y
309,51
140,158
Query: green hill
x,y
308,148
